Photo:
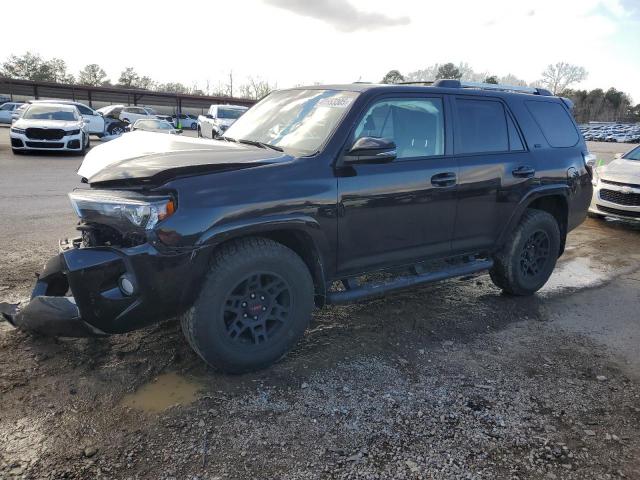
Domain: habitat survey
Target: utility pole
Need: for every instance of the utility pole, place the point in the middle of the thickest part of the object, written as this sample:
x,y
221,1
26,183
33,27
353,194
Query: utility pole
x,y
231,83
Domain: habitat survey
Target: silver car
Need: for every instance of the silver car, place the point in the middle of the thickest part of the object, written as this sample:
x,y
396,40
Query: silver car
x,y
155,125
616,191
7,109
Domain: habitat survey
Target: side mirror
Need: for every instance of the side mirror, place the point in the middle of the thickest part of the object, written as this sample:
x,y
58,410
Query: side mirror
x,y
208,115
371,150
617,155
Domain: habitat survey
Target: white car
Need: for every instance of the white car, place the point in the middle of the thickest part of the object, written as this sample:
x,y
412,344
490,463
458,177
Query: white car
x,y
95,122
616,188
218,119
7,109
49,126
130,114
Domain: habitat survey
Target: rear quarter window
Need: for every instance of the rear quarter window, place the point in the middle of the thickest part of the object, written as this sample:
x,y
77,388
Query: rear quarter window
x,y
555,123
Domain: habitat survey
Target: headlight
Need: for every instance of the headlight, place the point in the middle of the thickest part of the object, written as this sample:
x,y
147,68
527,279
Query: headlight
x,y
596,177
114,207
73,132
21,131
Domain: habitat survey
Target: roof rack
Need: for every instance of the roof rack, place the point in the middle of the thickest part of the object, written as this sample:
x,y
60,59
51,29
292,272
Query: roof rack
x,y
451,83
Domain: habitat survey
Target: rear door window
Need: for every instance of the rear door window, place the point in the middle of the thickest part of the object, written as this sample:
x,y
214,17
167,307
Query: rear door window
x,y
555,123
482,126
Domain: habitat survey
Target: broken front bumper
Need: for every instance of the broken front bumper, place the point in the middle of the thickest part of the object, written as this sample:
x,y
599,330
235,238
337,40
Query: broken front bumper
x,y
158,286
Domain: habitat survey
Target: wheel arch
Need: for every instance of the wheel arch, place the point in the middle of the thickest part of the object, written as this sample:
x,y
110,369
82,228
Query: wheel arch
x,y
552,199
301,234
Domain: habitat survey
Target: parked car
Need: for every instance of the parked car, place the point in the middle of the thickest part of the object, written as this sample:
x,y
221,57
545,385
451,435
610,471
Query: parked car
x,y
187,121
617,188
130,114
155,125
97,124
50,126
308,193
7,109
219,117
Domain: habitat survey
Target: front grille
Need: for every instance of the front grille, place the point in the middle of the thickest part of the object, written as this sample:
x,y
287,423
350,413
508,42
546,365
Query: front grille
x,y
45,133
620,184
621,198
622,213
45,144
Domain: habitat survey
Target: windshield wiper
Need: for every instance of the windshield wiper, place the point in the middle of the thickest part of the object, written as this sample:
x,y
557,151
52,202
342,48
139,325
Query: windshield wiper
x,y
256,143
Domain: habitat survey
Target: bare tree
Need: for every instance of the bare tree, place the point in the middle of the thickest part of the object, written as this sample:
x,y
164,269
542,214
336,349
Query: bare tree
x,y
256,88
560,76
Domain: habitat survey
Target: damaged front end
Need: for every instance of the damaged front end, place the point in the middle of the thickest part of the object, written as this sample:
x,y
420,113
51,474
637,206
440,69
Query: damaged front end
x,y
117,277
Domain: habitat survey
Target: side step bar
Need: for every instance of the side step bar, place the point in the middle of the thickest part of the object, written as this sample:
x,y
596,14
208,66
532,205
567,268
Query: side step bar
x,y
381,288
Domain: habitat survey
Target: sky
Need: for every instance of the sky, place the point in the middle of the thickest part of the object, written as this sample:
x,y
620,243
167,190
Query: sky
x,y
293,42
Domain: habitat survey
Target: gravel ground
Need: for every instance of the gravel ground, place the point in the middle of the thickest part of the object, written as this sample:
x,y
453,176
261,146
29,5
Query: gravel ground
x,y
452,380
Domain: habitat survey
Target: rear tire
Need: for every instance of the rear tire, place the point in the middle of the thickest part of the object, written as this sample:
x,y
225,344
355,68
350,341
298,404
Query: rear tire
x,y
199,132
255,304
526,261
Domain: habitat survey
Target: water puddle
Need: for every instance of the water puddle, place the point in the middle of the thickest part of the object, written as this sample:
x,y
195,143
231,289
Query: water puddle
x,y
163,392
579,272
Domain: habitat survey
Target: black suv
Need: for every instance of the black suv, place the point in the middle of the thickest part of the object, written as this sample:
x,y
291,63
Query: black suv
x,y
317,195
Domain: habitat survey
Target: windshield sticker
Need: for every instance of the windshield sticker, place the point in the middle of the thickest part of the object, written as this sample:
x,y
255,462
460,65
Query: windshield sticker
x,y
335,102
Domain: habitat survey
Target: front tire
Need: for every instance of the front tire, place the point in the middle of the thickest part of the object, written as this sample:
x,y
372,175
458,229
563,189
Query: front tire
x,y
255,304
526,261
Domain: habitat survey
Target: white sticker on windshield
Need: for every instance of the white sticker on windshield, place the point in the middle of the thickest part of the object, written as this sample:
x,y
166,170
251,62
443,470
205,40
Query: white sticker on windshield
x,y
335,102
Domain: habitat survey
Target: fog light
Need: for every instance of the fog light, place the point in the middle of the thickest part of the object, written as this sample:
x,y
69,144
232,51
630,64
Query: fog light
x,y
126,285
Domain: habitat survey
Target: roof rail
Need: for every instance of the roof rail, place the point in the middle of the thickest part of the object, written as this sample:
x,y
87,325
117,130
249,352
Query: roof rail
x,y
416,82
452,83
506,88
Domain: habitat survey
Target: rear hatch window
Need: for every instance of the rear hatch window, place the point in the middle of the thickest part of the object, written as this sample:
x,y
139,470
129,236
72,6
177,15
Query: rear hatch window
x,y
555,123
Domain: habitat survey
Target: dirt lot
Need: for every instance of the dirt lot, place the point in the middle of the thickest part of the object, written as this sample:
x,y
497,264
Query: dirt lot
x,y
451,380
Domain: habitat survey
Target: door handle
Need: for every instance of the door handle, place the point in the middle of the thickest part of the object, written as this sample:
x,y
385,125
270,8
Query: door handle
x,y
443,179
524,172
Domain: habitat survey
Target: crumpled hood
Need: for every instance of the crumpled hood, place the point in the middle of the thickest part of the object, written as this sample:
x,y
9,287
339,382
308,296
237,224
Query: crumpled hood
x,y
621,170
39,123
141,156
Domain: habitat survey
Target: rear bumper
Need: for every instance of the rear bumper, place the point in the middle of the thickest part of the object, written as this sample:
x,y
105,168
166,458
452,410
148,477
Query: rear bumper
x,y
163,286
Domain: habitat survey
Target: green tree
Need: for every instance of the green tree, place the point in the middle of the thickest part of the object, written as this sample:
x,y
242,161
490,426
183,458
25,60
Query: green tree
x,y
492,79
31,66
393,76
128,78
93,75
448,71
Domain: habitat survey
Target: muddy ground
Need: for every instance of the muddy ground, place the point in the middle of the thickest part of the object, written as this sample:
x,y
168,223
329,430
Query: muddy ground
x,y
452,380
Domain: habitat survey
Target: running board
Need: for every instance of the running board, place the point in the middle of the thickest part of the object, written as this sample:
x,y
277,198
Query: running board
x,y
382,288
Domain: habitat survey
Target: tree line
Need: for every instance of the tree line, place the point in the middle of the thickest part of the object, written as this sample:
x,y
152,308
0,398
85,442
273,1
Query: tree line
x,y
31,66
610,105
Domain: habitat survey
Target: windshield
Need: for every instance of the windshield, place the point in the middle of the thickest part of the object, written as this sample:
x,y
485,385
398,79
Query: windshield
x,y
49,112
300,120
230,113
150,111
633,154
